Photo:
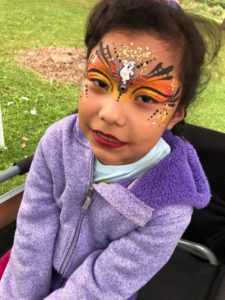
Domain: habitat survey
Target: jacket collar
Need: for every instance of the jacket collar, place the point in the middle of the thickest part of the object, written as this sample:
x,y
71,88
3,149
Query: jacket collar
x,y
178,179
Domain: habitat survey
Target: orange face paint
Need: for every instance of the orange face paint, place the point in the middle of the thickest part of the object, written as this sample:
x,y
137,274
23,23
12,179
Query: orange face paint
x,y
128,70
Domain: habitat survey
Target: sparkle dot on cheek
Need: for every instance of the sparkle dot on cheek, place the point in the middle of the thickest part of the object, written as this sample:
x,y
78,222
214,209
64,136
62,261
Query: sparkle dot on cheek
x,y
86,90
160,115
154,114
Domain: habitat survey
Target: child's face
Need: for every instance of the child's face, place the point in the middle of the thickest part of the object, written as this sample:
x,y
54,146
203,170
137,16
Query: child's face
x,y
131,91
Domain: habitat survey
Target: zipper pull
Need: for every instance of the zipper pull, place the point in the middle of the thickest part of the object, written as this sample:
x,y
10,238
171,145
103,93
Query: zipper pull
x,y
88,198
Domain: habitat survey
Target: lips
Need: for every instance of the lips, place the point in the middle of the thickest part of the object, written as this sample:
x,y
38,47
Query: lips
x,y
107,139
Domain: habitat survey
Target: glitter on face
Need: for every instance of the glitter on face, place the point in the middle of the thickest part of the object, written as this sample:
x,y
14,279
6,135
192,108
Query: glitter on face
x,y
129,66
124,64
160,114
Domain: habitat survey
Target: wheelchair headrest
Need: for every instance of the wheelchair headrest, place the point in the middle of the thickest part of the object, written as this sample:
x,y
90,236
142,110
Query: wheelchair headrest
x,y
210,146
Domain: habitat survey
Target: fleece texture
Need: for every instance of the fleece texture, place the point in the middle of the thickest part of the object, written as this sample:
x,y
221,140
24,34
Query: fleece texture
x,y
80,240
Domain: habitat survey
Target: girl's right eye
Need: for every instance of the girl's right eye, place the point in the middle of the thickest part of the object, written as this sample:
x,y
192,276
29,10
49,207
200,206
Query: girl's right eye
x,y
100,84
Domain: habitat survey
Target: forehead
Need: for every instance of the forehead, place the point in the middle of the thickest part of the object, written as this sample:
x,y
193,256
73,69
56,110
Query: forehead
x,y
138,46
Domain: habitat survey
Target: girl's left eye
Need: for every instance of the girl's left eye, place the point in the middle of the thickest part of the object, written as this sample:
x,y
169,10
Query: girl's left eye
x,y
145,99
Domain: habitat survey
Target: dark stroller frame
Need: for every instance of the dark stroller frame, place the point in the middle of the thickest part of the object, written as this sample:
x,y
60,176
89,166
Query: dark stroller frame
x,y
208,143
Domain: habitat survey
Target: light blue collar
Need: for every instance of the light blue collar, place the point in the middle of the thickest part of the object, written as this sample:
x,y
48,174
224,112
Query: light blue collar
x,y
113,173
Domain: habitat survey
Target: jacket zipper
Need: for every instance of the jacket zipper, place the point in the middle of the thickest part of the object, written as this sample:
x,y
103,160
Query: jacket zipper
x,y
84,208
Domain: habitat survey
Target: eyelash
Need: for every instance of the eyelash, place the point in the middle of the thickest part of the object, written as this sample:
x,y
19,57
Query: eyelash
x,y
101,84
149,99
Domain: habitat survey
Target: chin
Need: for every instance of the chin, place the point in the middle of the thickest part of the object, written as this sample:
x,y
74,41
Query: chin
x,y
114,161
107,159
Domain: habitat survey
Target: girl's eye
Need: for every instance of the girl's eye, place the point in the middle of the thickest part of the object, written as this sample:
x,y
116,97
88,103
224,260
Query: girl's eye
x,y
100,84
145,99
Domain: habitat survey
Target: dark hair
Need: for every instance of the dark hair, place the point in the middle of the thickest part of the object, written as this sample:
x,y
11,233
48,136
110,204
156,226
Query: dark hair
x,y
168,21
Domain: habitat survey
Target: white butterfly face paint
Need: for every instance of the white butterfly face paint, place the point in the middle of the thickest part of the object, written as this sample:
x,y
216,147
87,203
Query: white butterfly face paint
x,y
127,72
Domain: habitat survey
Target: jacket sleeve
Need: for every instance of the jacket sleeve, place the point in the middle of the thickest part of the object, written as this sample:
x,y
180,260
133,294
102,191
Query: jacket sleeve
x,y
28,272
128,263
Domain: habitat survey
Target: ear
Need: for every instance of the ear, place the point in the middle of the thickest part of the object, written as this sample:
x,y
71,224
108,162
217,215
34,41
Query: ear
x,y
177,117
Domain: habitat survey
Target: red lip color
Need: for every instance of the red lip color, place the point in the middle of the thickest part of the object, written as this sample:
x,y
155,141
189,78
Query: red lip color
x,y
103,140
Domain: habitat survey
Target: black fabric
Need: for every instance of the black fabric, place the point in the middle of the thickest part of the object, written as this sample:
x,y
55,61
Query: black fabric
x,y
208,225
185,277
217,291
6,237
24,165
210,146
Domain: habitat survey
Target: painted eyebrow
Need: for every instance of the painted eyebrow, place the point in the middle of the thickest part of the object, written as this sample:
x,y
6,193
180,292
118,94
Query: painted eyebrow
x,y
151,89
98,71
159,70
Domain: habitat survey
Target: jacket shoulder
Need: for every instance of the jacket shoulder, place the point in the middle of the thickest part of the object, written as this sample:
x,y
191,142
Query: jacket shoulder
x,y
178,179
57,138
61,128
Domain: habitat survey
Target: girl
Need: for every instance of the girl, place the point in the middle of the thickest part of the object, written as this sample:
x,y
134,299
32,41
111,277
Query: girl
x,y
111,189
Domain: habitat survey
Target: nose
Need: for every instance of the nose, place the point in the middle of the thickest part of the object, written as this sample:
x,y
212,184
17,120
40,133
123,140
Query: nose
x,y
112,113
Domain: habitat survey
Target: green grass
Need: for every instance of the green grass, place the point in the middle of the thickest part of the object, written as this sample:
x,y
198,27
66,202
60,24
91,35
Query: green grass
x,y
60,23
34,24
215,12
25,91
208,110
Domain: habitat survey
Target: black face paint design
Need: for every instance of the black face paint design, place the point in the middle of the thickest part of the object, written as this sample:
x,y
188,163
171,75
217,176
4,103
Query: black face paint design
x,y
130,66
86,90
163,114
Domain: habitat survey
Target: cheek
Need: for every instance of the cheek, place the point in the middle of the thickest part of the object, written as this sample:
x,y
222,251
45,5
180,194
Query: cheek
x,y
88,102
84,93
160,116
146,136
83,105
86,90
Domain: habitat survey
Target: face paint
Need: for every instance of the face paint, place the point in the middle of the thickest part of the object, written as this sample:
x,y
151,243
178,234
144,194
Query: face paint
x,y
86,90
146,83
130,66
122,65
126,74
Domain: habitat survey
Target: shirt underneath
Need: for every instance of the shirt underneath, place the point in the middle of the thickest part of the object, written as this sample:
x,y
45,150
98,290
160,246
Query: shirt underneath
x,y
113,173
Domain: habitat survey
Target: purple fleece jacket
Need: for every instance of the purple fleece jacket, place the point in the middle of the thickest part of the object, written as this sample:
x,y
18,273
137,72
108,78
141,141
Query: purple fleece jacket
x,y
78,240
